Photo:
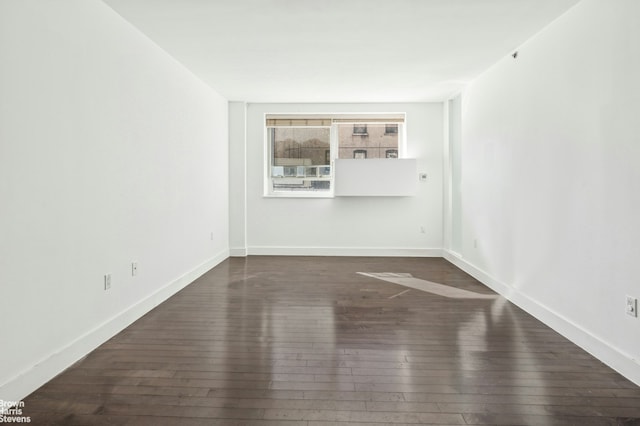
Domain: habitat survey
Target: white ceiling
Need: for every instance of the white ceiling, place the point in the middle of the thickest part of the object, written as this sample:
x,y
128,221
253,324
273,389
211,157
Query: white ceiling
x,y
339,50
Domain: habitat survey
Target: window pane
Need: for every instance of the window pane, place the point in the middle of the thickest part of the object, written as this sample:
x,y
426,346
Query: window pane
x,y
373,140
300,146
300,158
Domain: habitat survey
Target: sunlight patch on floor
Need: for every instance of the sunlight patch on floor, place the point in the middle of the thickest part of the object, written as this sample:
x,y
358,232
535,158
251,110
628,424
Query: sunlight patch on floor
x,y
408,280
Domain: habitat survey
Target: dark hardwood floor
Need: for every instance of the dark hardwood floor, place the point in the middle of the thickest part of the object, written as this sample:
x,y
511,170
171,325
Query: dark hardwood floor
x,y
308,341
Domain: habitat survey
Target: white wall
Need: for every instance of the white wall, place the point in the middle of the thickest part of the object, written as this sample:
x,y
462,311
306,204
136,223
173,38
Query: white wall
x,y
237,179
110,152
551,182
453,174
345,225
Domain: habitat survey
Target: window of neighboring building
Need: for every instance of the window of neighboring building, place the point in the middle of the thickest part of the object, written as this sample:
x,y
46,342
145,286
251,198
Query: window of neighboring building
x,y
391,129
360,129
301,148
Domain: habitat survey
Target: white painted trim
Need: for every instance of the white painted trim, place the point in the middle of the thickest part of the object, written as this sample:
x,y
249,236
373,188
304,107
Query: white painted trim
x,y
344,251
447,168
477,273
615,358
238,252
21,385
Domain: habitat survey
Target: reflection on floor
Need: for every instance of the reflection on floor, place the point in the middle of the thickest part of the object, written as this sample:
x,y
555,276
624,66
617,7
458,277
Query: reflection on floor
x,y
309,341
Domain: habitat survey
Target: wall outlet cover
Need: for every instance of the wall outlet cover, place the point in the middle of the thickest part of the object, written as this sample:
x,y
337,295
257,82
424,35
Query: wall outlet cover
x,y
632,306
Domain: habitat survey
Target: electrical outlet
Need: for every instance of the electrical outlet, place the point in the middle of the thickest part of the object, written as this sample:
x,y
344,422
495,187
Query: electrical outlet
x,y
107,281
632,306
134,269
423,230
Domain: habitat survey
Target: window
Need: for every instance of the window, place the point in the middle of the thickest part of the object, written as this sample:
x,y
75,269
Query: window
x,y
360,154
360,129
301,148
390,129
298,158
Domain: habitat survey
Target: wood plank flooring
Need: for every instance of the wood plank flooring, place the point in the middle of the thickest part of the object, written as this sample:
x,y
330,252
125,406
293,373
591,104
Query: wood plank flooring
x,y
309,341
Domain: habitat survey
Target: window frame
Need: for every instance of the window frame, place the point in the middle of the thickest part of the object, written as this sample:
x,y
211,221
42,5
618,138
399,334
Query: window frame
x,y
268,175
336,119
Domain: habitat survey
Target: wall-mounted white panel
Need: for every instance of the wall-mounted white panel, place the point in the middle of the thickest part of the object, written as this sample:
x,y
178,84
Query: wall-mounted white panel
x,y
376,177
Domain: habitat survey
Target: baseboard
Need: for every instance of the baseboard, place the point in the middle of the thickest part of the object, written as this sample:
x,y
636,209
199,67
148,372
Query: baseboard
x,y
238,252
477,273
18,387
343,251
620,361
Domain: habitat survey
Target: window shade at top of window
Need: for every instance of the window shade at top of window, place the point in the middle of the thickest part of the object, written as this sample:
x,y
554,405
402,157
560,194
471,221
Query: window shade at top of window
x,y
298,122
368,120
305,121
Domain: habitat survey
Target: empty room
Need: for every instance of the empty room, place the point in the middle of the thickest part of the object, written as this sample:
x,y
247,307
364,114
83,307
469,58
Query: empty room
x,y
297,212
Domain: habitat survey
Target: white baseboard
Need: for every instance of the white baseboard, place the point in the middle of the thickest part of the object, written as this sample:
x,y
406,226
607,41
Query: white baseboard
x,y
343,251
21,385
238,252
620,361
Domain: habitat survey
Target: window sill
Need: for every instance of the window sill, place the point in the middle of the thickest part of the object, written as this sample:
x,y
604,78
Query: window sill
x,y
299,195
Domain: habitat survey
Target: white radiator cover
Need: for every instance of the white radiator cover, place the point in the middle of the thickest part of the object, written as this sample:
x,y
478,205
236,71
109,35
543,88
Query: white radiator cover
x,y
376,177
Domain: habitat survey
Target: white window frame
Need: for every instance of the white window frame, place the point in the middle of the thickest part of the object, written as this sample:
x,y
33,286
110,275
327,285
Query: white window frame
x,y
268,185
337,119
